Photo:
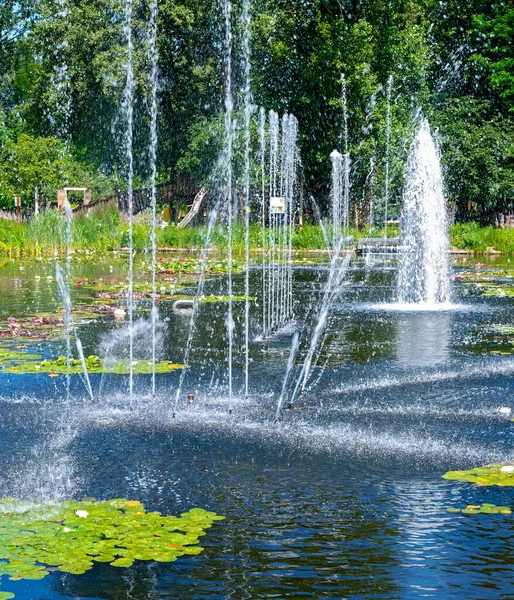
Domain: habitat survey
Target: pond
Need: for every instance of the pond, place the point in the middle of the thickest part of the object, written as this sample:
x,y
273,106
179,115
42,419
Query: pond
x,y
342,498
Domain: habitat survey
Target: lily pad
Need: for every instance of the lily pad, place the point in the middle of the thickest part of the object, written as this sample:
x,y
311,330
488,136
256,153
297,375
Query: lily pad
x,y
483,509
487,475
21,363
72,535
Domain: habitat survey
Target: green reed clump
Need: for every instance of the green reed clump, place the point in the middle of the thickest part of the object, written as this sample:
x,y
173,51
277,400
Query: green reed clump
x,y
12,236
500,239
467,236
470,236
104,228
45,233
99,230
187,237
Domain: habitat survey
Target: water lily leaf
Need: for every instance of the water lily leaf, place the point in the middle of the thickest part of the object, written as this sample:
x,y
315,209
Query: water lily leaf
x,y
123,562
485,509
487,475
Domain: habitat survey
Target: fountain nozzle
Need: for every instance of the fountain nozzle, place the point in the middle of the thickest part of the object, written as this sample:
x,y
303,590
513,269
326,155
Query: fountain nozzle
x,y
191,399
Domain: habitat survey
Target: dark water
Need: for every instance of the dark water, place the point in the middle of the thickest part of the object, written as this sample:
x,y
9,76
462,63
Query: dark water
x,y
342,499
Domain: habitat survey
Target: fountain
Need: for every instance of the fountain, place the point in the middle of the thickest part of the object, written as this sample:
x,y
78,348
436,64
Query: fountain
x,y
423,277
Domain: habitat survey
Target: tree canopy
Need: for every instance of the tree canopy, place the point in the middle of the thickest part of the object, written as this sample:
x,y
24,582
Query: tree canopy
x,y
62,79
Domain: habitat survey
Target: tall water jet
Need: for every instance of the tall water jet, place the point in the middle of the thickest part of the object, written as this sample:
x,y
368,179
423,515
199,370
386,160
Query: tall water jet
x,y
229,138
153,167
277,259
192,323
387,151
346,159
247,93
336,196
64,289
344,130
262,141
63,280
128,109
424,275
274,135
371,191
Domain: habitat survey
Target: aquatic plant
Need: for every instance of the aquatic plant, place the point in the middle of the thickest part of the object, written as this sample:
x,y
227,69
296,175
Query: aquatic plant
x,y
71,536
494,474
484,509
20,363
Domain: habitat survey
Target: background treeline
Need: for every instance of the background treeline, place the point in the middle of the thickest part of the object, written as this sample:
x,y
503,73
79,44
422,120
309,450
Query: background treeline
x,y
62,77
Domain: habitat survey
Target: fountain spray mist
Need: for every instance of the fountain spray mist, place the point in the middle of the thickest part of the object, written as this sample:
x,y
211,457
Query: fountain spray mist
x,y
424,274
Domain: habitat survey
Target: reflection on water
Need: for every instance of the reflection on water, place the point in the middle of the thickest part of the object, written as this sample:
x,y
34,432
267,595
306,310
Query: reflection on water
x,y
423,339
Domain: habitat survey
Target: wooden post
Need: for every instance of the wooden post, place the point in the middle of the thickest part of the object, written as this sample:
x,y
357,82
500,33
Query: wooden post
x,y
61,199
17,206
87,197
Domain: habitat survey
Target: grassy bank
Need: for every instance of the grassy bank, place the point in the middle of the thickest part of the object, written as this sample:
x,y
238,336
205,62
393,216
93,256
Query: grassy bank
x,y
106,230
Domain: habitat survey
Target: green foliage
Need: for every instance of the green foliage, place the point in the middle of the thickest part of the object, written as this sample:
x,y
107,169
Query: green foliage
x,y
30,163
44,164
478,158
62,77
496,32
73,535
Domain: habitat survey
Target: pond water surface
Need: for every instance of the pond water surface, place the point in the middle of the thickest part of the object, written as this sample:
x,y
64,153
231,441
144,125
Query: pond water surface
x,y
343,498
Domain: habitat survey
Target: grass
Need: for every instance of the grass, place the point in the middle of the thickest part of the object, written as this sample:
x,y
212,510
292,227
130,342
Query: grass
x,y
105,229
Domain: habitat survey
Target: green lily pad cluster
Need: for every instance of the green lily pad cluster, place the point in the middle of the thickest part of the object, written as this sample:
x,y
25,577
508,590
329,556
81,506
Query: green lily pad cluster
x,y
497,291
194,265
72,536
482,509
20,363
487,475
213,298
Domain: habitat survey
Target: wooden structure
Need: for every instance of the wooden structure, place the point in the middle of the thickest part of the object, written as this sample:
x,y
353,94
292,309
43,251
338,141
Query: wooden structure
x,y
195,207
378,245
185,201
62,196
179,194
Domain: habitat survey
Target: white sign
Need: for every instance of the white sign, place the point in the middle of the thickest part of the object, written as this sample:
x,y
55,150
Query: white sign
x,y
276,205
